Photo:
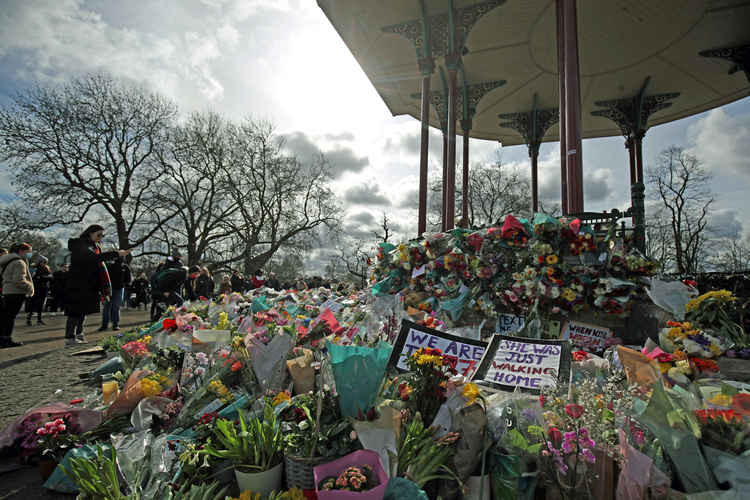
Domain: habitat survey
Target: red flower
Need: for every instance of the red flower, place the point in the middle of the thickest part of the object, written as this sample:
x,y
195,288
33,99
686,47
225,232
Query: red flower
x,y
542,400
76,401
580,355
169,324
555,436
690,283
574,410
236,366
404,391
741,403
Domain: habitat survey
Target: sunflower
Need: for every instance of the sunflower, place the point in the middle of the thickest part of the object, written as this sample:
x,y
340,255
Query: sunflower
x,y
551,260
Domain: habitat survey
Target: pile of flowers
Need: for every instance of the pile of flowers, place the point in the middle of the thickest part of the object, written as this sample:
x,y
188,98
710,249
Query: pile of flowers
x,y
351,479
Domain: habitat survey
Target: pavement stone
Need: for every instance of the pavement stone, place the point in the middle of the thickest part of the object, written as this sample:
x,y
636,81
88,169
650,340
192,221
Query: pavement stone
x,y
30,375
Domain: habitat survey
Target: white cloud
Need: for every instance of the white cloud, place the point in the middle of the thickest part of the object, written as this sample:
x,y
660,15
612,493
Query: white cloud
x,y
722,141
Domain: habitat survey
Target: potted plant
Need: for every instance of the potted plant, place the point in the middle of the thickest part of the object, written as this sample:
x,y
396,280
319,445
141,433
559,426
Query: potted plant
x,y
254,447
314,433
54,442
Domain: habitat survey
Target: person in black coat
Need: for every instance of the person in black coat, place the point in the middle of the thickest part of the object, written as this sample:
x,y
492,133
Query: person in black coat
x,y
141,288
88,280
58,288
120,277
42,281
204,284
238,283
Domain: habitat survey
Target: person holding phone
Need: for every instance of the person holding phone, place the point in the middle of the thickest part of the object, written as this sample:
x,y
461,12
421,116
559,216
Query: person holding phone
x,y
88,282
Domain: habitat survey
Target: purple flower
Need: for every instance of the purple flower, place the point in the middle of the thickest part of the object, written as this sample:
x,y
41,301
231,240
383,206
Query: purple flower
x,y
588,456
569,439
561,466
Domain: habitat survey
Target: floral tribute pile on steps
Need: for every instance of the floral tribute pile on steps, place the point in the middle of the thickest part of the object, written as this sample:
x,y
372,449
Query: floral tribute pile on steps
x,y
397,392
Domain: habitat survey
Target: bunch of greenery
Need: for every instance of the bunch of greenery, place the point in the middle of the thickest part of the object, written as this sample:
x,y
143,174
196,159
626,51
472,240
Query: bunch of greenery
x,y
419,454
716,312
255,444
314,427
96,477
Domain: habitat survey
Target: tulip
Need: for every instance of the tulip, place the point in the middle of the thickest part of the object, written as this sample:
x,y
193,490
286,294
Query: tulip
x,y
555,436
574,410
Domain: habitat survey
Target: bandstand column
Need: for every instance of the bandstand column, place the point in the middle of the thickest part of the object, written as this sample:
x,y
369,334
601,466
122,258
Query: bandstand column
x,y
466,127
561,84
424,154
443,223
450,193
573,156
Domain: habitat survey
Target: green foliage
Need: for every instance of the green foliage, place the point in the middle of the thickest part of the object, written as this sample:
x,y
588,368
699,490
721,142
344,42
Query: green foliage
x,y
208,491
256,445
96,477
420,456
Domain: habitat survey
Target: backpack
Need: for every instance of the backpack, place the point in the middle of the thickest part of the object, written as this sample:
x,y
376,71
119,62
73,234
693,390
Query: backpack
x,y
5,266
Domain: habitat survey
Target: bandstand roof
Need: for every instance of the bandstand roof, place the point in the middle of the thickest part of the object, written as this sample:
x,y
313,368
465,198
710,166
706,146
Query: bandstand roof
x,y
621,43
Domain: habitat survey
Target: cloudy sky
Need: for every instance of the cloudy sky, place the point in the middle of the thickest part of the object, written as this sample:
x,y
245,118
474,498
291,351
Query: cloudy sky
x,y
282,61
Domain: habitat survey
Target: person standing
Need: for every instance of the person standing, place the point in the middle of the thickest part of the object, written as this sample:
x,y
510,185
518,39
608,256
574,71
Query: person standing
x,y
88,280
58,288
17,286
119,275
141,289
42,281
226,285
238,283
204,284
257,280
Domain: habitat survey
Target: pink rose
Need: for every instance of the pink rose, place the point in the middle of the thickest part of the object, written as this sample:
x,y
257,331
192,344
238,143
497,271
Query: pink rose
x,y
41,431
61,428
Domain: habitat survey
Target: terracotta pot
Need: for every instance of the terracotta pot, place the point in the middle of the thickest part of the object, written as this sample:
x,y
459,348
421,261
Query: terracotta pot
x,y
47,467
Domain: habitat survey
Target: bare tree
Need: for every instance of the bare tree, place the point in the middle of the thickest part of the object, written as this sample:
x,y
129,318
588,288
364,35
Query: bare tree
x,y
386,233
495,190
680,183
659,242
94,143
734,258
356,261
197,186
281,202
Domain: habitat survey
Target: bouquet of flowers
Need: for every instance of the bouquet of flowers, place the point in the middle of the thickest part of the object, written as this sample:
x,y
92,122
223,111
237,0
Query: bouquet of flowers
x,y
55,439
716,311
430,371
725,430
351,479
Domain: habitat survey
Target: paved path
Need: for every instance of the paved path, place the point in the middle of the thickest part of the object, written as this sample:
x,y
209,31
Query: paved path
x,y
32,373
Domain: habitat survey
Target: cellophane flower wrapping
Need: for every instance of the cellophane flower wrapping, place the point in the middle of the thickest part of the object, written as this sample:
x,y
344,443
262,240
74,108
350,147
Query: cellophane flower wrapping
x,y
358,372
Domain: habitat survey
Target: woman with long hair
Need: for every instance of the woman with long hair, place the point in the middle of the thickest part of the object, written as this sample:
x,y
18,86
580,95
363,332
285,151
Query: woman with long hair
x,y
17,287
88,280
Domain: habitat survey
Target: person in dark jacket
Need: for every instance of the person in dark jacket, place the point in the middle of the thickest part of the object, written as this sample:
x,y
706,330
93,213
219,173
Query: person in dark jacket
x,y
42,281
17,287
167,285
141,288
273,282
204,284
88,280
120,277
238,283
190,283
58,288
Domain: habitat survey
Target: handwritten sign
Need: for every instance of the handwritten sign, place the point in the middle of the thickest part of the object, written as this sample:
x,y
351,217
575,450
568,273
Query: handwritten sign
x,y
509,323
528,364
585,335
462,354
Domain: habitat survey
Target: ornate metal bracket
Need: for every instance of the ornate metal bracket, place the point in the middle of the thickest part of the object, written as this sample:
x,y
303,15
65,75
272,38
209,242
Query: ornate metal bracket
x,y
433,33
740,56
631,114
468,100
532,125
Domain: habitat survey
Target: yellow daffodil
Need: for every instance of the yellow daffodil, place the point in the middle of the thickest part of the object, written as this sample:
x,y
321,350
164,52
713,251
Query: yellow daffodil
x,y
551,260
721,400
470,393
146,339
280,398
